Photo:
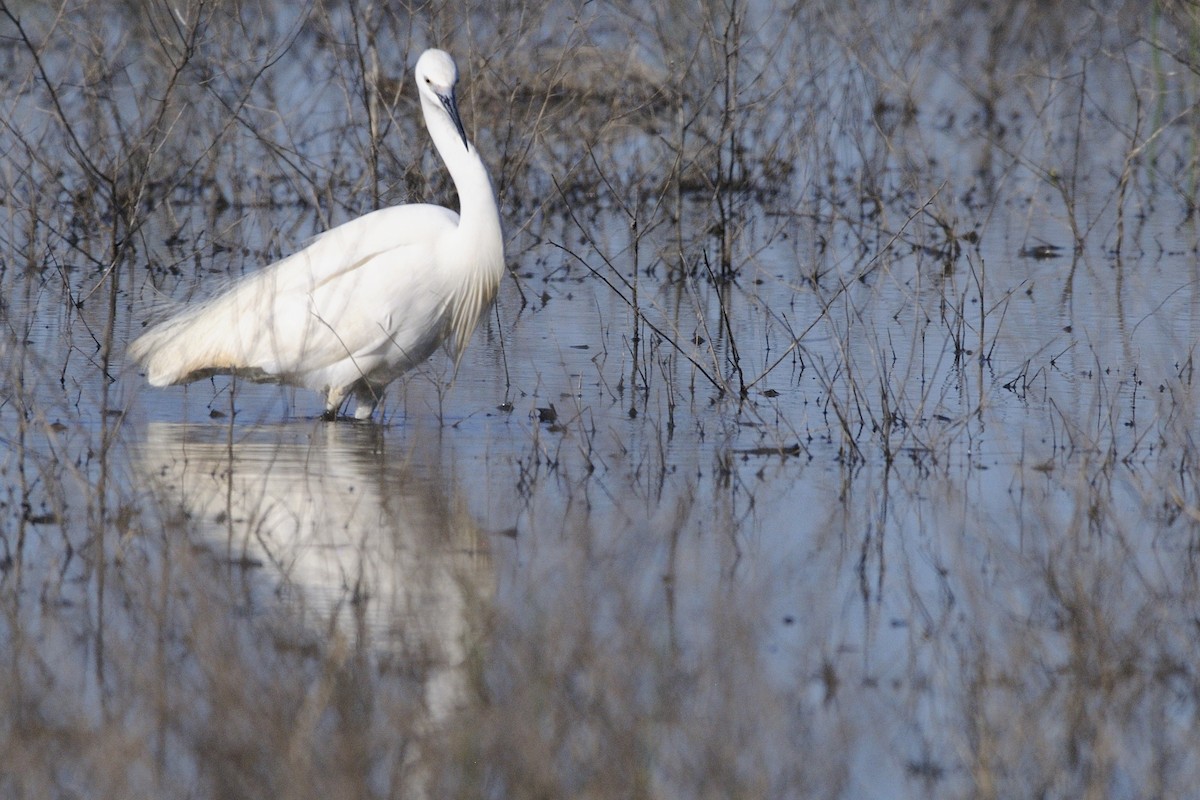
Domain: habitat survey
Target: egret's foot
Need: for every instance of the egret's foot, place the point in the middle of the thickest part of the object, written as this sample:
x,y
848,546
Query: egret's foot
x,y
366,400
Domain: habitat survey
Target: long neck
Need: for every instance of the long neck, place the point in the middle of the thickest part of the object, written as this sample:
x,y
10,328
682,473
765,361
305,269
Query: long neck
x,y
479,219
478,246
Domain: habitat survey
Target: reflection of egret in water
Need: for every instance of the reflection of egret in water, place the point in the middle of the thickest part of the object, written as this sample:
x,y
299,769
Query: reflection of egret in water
x,y
350,540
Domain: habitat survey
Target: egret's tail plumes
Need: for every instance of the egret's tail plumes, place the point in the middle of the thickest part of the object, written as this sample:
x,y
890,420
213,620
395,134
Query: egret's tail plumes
x,y
186,347
204,338
362,303
162,352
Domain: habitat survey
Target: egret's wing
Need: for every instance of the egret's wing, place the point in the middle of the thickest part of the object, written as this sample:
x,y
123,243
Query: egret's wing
x,y
392,300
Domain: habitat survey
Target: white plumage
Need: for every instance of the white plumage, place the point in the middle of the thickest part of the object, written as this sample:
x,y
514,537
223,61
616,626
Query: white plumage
x,y
367,300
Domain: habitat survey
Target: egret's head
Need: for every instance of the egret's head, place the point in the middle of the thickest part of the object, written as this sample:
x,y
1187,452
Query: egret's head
x,y
436,76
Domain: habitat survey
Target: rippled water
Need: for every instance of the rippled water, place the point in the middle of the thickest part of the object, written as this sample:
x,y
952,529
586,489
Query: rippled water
x,y
866,468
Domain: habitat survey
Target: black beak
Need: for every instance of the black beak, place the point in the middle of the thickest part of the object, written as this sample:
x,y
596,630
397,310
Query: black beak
x,y
451,106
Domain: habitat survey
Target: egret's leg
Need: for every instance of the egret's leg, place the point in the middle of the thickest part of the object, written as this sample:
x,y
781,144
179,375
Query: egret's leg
x,y
333,402
366,398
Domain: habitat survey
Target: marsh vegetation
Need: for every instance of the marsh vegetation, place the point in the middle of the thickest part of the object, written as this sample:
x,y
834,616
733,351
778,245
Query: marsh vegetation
x,y
835,433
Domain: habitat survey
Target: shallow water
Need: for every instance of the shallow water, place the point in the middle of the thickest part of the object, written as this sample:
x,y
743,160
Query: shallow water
x,y
878,480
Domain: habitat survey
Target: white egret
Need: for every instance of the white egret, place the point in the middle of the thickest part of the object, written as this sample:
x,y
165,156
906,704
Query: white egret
x,y
365,301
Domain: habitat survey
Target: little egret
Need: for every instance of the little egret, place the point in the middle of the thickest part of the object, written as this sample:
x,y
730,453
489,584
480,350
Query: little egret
x,y
365,301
